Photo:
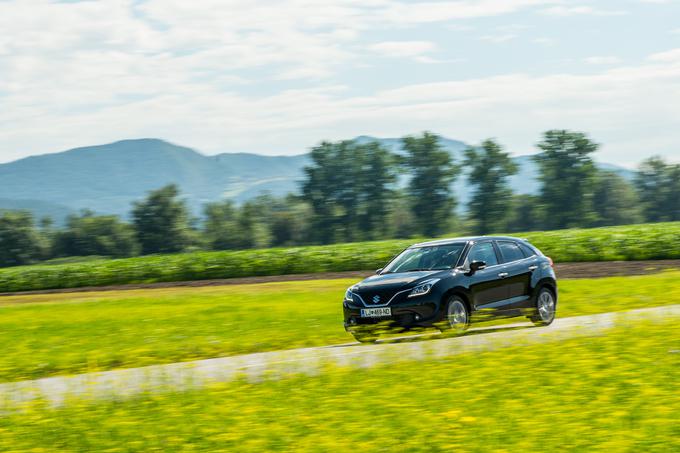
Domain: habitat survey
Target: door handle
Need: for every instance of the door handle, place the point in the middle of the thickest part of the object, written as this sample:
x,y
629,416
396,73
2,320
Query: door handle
x,y
533,268
503,274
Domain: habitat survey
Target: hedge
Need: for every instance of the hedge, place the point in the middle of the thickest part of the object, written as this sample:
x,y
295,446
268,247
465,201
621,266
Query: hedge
x,y
631,242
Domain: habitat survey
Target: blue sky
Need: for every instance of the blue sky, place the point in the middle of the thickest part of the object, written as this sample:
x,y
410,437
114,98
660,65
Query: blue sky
x,y
276,77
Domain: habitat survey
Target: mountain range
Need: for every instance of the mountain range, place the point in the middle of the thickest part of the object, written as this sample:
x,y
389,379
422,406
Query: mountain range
x,y
108,178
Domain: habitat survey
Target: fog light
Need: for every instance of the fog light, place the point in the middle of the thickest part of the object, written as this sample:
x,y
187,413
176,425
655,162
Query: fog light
x,y
352,321
417,317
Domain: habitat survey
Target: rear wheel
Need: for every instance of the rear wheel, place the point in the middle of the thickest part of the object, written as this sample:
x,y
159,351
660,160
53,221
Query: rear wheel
x,y
545,308
456,317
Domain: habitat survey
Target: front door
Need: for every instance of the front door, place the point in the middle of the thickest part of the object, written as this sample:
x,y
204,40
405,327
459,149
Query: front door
x,y
487,288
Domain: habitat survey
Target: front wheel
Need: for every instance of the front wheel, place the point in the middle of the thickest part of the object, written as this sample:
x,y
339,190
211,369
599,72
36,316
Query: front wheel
x,y
456,317
545,308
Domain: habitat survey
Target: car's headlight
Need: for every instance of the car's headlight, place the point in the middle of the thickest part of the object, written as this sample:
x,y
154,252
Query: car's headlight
x,y
349,296
423,288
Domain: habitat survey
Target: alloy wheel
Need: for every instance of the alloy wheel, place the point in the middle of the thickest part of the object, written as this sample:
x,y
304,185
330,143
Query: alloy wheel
x,y
457,315
546,306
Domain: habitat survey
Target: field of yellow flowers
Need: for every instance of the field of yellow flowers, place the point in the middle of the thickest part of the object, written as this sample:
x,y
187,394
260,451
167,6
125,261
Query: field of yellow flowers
x,y
57,334
613,392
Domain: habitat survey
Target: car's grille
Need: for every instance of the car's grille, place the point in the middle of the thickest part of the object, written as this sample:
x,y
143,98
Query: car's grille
x,y
376,297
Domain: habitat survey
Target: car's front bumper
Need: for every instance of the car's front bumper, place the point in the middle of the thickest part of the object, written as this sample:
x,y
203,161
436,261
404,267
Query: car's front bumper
x,y
411,312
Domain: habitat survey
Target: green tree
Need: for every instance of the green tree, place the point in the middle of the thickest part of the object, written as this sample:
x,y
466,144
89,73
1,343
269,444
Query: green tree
x,y
658,187
261,222
526,213
273,220
400,221
282,221
614,200
490,168
247,222
161,221
674,192
431,172
376,178
20,242
283,229
221,225
323,179
88,234
652,186
347,187
46,223
567,175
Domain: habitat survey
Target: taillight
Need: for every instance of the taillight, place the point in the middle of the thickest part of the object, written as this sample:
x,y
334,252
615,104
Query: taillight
x,y
550,261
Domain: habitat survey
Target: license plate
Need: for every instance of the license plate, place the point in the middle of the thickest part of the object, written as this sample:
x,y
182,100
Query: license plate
x,y
376,312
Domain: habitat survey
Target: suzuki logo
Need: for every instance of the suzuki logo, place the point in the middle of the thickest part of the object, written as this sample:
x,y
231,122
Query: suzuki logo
x,y
376,299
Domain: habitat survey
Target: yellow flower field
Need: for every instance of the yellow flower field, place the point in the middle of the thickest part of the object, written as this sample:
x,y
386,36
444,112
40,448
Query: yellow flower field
x,y
614,392
56,334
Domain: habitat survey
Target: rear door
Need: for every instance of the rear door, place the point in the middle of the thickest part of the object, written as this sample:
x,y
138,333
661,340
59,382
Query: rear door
x,y
519,269
487,288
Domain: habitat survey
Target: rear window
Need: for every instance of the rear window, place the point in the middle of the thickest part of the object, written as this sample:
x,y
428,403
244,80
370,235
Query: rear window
x,y
528,251
510,251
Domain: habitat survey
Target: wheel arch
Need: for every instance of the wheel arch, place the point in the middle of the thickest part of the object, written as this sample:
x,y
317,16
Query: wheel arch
x,y
455,291
548,283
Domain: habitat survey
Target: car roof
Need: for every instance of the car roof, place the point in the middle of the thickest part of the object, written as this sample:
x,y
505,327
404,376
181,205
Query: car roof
x,y
466,239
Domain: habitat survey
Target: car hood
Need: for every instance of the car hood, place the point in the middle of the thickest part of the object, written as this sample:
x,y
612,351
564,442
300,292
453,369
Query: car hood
x,y
395,281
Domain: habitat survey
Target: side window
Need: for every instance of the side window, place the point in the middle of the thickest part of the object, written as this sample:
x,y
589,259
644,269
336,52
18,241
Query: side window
x,y
510,251
483,251
528,251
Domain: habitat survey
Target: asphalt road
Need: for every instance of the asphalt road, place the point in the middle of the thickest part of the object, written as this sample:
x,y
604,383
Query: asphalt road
x,y
125,383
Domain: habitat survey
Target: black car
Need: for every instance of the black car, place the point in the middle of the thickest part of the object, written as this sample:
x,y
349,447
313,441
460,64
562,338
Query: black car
x,y
449,283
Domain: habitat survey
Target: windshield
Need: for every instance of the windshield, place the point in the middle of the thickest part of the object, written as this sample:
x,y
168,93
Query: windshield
x,y
436,257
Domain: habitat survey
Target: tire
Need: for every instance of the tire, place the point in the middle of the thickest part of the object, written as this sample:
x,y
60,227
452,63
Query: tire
x,y
456,317
546,306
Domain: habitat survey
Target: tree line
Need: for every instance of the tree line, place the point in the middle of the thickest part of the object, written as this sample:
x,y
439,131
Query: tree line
x,y
354,192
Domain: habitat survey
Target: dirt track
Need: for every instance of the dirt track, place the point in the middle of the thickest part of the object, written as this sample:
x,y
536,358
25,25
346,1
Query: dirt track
x,y
613,268
563,270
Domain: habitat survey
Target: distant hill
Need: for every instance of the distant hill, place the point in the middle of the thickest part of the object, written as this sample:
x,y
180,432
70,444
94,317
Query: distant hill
x,y
108,178
38,208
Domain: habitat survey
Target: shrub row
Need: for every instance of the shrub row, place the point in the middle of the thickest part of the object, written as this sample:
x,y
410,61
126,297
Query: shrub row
x,y
632,242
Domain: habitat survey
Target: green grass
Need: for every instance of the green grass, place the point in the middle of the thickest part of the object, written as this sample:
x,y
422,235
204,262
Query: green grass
x,y
631,242
53,334
614,392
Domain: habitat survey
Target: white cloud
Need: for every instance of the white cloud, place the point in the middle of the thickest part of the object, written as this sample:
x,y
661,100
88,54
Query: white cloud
x,y
581,10
668,56
221,76
603,60
544,41
423,12
498,39
403,48
621,107
430,60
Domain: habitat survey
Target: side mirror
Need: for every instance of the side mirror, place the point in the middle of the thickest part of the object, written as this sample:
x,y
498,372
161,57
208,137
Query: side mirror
x,y
378,271
477,266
